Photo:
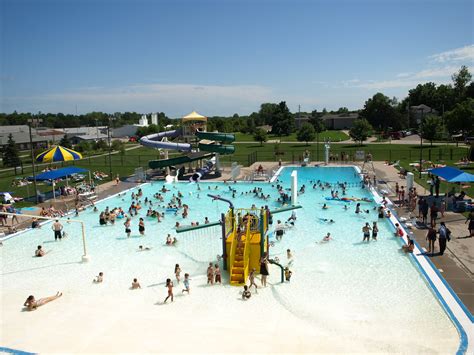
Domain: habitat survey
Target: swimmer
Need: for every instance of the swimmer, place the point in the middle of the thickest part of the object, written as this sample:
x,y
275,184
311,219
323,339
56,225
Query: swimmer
x,y
325,207
246,293
288,274
135,284
31,304
169,285
177,272
327,220
366,230
289,256
39,252
99,278
410,247
327,238
142,248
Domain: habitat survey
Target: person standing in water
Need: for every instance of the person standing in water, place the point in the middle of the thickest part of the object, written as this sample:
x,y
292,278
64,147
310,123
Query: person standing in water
x,y
177,272
169,285
127,226
186,283
57,227
264,269
375,231
141,226
366,230
252,279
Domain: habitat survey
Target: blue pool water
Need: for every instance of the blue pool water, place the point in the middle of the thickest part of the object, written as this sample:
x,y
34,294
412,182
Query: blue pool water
x,y
335,286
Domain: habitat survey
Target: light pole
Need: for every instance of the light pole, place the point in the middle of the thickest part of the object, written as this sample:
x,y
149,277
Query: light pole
x,y
110,148
30,122
421,142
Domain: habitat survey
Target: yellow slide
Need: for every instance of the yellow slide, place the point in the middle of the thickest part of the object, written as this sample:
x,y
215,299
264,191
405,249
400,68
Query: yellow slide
x,y
240,255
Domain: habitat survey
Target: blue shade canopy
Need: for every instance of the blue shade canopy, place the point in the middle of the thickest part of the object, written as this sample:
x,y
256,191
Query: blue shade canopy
x,y
58,174
451,174
58,153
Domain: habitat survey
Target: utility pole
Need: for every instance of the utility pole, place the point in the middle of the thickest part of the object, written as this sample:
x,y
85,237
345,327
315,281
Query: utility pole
x,y
421,142
30,122
110,149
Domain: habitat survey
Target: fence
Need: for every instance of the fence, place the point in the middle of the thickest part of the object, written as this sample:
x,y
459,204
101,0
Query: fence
x,y
436,155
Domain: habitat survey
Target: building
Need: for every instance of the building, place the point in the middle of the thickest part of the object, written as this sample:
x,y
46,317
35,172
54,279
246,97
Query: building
x,y
21,136
334,121
266,128
130,130
417,112
339,121
88,137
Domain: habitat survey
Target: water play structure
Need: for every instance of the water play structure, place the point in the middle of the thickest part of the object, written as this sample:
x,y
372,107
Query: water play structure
x,y
245,239
194,142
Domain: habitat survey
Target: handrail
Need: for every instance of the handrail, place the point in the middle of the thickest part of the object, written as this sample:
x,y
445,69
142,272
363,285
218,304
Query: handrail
x,y
233,246
284,209
271,261
247,249
183,229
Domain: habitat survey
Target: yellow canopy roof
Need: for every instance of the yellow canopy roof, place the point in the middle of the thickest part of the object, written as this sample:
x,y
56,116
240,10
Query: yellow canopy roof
x,y
194,116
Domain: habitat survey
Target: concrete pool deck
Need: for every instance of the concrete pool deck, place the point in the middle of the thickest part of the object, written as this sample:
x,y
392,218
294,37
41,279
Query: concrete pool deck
x,y
457,263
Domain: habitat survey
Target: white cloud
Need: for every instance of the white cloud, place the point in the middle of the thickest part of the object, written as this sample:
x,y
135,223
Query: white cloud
x,y
465,53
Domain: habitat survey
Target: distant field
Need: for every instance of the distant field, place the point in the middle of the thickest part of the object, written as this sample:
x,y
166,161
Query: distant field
x,y
335,136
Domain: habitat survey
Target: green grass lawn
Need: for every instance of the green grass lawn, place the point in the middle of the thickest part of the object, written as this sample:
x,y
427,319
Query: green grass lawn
x,y
334,136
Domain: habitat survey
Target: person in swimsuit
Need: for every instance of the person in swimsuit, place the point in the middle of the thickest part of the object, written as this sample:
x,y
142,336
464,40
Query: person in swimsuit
x,y
99,278
217,273
246,293
264,269
252,279
127,226
57,227
186,283
135,284
357,208
39,252
142,248
375,231
288,274
177,272
169,285
210,274
410,247
431,238
141,226
366,230
31,304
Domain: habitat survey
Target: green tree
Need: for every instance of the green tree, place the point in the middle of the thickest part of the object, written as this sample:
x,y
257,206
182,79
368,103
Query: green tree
x,y
432,128
65,142
361,130
306,133
101,145
283,122
83,146
317,122
117,144
460,119
260,135
10,153
461,81
381,113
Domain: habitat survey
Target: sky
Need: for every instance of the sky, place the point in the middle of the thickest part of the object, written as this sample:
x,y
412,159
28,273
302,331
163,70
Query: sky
x,y
222,57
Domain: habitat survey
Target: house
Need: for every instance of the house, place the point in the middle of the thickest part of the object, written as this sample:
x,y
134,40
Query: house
x,y
340,120
419,111
266,128
300,121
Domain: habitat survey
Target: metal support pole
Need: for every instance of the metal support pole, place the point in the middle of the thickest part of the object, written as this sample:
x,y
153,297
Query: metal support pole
x,y
110,151
224,242
30,121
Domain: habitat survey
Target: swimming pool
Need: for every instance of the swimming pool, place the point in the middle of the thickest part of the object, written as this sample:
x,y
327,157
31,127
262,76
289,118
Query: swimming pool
x,y
354,295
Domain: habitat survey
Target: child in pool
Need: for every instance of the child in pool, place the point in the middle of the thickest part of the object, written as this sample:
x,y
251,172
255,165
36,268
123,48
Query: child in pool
x,y
169,285
186,283
135,284
246,293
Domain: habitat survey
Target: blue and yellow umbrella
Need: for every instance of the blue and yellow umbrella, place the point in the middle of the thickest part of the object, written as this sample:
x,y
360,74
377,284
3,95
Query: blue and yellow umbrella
x,y
58,153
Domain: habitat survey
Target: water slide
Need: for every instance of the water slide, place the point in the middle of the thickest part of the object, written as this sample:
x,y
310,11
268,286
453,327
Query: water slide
x,y
163,163
212,142
155,141
206,169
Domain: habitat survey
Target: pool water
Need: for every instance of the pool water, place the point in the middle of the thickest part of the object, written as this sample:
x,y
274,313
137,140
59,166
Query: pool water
x,y
344,287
